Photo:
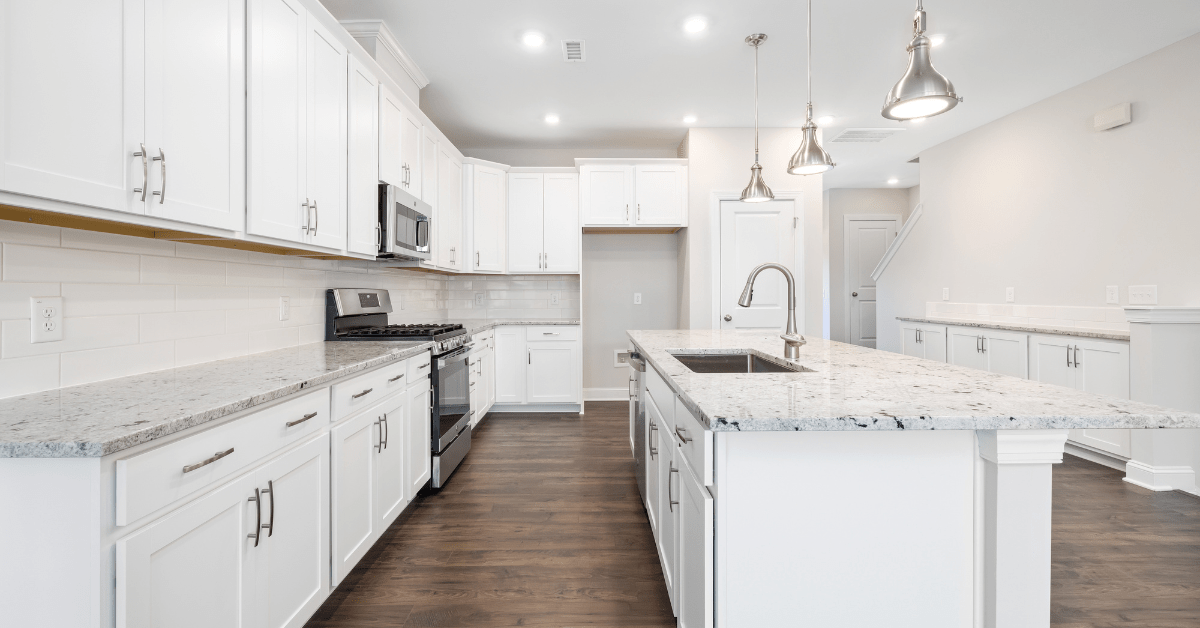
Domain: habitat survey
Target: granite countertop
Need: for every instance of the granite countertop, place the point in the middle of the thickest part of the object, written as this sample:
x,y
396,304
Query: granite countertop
x,y
476,325
97,419
1081,332
854,388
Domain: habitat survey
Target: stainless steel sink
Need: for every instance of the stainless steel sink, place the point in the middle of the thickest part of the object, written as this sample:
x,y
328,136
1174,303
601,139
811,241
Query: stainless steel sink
x,y
735,363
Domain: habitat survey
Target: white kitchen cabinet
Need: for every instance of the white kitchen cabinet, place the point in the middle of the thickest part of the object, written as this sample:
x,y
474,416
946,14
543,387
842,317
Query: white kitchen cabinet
x,y
560,223
923,341
543,228
668,512
607,194
694,563
326,158
649,194
482,376
488,366
1001,352
352,490
1095,366
429,171
418,438
487,215
450,209
391,120
391,489
410,151
525,208
553,371
660,195
362,205
511,362
654,423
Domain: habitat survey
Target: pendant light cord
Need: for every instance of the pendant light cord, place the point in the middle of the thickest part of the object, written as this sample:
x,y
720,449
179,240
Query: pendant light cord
x,y
756,102
809,58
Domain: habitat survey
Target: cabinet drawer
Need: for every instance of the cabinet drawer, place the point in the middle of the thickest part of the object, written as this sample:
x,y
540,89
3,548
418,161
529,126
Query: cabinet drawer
x,y
695,442
366,390
152,479
484,336
552,332
418,367
663,396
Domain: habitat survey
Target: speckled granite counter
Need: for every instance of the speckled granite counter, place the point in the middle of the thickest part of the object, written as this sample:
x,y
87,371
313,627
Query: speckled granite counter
x,y
854,388
476,325
1080,332
101,418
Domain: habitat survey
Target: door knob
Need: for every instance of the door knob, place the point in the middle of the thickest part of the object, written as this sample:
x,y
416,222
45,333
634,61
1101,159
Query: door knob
x,y
853,294
728,318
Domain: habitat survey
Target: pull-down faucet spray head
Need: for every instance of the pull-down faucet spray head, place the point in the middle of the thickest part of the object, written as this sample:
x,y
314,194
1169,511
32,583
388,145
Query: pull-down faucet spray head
x,y
792,339
747,293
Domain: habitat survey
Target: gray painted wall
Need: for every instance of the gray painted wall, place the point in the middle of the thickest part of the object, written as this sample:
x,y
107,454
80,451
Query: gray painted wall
x,y
844,202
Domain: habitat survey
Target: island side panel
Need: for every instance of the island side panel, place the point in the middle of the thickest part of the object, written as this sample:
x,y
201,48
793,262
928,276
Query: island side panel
x,y
845,529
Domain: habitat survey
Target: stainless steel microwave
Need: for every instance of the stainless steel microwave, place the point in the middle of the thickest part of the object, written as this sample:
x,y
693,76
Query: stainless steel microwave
x,y
403,224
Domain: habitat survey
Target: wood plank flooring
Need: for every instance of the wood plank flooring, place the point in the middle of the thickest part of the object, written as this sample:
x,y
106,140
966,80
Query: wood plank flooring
x,y
543,527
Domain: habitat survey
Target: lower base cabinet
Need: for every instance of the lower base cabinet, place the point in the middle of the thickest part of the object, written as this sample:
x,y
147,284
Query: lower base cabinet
x,y
538,364
352,496
391,490
417,437
694,565
1094,366
668,513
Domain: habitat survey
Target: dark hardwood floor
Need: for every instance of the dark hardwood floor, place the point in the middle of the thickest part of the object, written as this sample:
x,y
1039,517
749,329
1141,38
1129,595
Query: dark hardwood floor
x,y
543,527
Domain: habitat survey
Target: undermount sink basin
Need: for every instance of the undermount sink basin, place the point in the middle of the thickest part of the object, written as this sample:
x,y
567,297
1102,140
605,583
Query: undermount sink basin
x,y
735,363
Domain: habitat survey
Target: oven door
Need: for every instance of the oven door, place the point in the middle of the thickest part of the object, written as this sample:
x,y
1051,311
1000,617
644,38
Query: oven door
x,y
452,398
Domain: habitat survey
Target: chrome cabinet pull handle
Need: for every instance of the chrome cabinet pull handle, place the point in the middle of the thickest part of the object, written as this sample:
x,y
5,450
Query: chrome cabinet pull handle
x,y
300,420
378,236
983,344
1076,356
653,449
670,502
307,216
476,259
162,159
423,366
316,217
207,461
270,525
679,431
257,499
379,447
362,394
387,430
626,212
1069,365
639,212
400,376
550,333
145,172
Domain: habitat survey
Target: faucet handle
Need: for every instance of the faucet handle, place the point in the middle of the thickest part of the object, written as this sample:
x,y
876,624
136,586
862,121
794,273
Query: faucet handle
x,y
793,339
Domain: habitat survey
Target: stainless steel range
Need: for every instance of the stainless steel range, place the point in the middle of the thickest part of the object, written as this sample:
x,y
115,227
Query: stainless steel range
x,y
362,314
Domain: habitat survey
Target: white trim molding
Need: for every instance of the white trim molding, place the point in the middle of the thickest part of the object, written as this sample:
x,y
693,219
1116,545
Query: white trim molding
x,y
606,394
387,41
1022,446
1163,314
1160,478
897,243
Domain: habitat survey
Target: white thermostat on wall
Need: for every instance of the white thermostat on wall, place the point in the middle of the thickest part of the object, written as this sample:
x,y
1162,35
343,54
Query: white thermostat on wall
x,y
1113,117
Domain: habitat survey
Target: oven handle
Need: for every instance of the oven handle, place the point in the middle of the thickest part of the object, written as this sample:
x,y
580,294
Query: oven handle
x,y
460,353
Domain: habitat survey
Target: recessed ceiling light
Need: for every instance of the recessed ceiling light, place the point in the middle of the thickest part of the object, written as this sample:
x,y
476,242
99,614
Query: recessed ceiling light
x,y
695,24
689,119
893,181
825,120
551,118
937,40
533,39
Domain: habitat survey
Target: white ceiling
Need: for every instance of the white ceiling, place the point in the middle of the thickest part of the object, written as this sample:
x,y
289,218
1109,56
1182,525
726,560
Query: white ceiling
x,y
644,74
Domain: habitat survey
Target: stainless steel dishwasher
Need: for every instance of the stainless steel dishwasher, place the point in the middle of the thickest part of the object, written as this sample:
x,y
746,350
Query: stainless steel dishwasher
x,y
637,417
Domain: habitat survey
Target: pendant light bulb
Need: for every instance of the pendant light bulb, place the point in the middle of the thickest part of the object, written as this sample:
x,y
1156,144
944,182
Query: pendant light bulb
x,y
810,158
922,91
757,191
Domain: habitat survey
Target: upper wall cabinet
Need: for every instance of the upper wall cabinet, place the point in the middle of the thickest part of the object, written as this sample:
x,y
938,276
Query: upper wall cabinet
x,y
362,205
449,228
141,113
399,143
543,222
486,207
646,193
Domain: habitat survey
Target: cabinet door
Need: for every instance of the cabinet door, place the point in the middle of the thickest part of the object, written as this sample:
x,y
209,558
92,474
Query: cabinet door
x,y
362,205
326,137
429,173
195,111
194,568
450,209
278,120
417,438
1102,368
654,423
668,510
553,371
606,193
488,228
511,364
71,115
352,490
292,571
410,151
660,194
391,489
560,222
910,342
391,120
933,341
1007,354
694,573
525,222
489,379
964,349
1050,361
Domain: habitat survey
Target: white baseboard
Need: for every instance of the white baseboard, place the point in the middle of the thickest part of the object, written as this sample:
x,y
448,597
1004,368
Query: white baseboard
x,y
606,394
537,407
1160,478
1096,456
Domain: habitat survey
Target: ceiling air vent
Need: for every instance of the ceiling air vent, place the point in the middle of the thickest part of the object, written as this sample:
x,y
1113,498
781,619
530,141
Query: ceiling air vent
x,y
864,136
574,50
915,160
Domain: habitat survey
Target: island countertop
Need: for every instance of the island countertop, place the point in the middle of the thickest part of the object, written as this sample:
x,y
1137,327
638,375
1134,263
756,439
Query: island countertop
x,y
855,388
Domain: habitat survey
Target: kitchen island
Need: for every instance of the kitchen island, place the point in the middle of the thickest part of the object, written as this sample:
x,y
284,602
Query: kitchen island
x,y
855,487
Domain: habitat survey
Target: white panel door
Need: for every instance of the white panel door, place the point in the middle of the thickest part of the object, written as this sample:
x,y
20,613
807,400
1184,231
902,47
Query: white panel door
x,y
553,371
352,490
511,363
362,206
525,207
694,575
410,151
195,567
391,489
607,195
865,243
391,119
450,210
660,193
668,510
964,347
1007,354
753,234
278,120
487,230
292,570
71,115
417,439
1102,368
560,223
654,423
196,111
326,137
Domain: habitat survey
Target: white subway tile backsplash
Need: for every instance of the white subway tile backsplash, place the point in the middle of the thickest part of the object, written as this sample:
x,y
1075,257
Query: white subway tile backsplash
x,y
189,297
45,264
209,348
82,367
88,332
311,333
212,253
271,339
97,241
1037,315
254,275
21,376
29,233
101,299
14,297
182,270
176,325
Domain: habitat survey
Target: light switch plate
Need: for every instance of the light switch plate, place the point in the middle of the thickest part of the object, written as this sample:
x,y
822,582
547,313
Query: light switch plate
x,y
1112,295
1143,295
620,357
45,319
637,298
1010,294
285,308
945,294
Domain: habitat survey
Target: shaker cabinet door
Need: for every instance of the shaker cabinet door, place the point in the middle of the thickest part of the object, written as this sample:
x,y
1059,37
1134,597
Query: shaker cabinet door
x,y
606,193
511,362
362,207
660,195
553,372
1007,354
694,573
525,205
560,223
418,439
391,491
352,490
326,157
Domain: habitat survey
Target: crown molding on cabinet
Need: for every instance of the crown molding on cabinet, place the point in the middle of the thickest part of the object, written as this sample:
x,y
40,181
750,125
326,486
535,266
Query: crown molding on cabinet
x,y
385,38
475,161
1163,314
543,170
628,161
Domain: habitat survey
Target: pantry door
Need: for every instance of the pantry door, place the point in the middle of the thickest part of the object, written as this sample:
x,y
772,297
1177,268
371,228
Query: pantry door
x,y
754,234
867,238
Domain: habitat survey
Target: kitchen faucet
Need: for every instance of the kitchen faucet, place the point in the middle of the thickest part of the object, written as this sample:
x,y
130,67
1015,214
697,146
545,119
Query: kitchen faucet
x,y
791,339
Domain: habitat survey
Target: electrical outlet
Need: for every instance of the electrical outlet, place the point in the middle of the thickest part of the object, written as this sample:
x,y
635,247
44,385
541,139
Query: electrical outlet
x,y
1112,295
45,319
620,357
945,294
1010,294
1143,295
553,298
637,298
479,298
285,308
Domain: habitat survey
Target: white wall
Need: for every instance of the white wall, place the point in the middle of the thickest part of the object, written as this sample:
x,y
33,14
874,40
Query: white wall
x,y
615,267
719,162
559,157
845,202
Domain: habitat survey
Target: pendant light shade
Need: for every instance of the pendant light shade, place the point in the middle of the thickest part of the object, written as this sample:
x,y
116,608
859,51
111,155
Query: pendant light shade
x,y
757,191
810,158
922,91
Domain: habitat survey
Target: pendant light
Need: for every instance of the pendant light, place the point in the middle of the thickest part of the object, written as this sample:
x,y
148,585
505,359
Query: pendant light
x,y
922,91
757,191
810,158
